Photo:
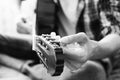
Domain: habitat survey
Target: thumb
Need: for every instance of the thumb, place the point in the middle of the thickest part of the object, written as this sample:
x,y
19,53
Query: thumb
x,y
25,67
80,38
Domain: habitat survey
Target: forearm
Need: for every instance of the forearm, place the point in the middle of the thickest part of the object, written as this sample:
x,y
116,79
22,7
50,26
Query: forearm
x,y
106,47
11,62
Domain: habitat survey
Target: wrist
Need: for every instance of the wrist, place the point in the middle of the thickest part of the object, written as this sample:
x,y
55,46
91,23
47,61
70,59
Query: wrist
x,y
25,66
93,50
22,67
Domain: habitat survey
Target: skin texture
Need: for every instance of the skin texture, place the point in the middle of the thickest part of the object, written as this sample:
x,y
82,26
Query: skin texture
x,y
84,49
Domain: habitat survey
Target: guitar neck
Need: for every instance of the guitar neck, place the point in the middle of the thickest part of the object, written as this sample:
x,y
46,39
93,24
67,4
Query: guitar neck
x,y
50,52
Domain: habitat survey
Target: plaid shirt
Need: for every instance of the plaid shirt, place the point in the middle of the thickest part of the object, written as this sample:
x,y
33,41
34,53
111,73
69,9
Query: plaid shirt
x,y
103,18
99,18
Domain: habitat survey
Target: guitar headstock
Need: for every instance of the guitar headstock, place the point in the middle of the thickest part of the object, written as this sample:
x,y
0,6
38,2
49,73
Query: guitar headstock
x,y
50,52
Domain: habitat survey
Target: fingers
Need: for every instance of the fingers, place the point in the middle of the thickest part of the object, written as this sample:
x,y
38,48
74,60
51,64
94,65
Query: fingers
x,y
73,65
80,38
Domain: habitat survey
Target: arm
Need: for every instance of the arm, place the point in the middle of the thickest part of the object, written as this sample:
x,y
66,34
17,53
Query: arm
x,y
95,49
16,41
19,46
11,62
108,46
86,49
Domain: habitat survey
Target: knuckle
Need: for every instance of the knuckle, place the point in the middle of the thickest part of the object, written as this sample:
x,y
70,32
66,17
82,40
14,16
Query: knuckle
x,y
83,37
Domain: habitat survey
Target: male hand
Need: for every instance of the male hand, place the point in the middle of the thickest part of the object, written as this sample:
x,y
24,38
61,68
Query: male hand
x,y
35,72
77,49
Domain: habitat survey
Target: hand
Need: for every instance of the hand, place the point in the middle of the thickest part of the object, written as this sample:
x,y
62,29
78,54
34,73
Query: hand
x,y
77,49
35,72
24,27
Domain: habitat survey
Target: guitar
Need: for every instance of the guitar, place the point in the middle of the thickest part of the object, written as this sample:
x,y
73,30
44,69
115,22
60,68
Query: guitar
x,y
49,52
